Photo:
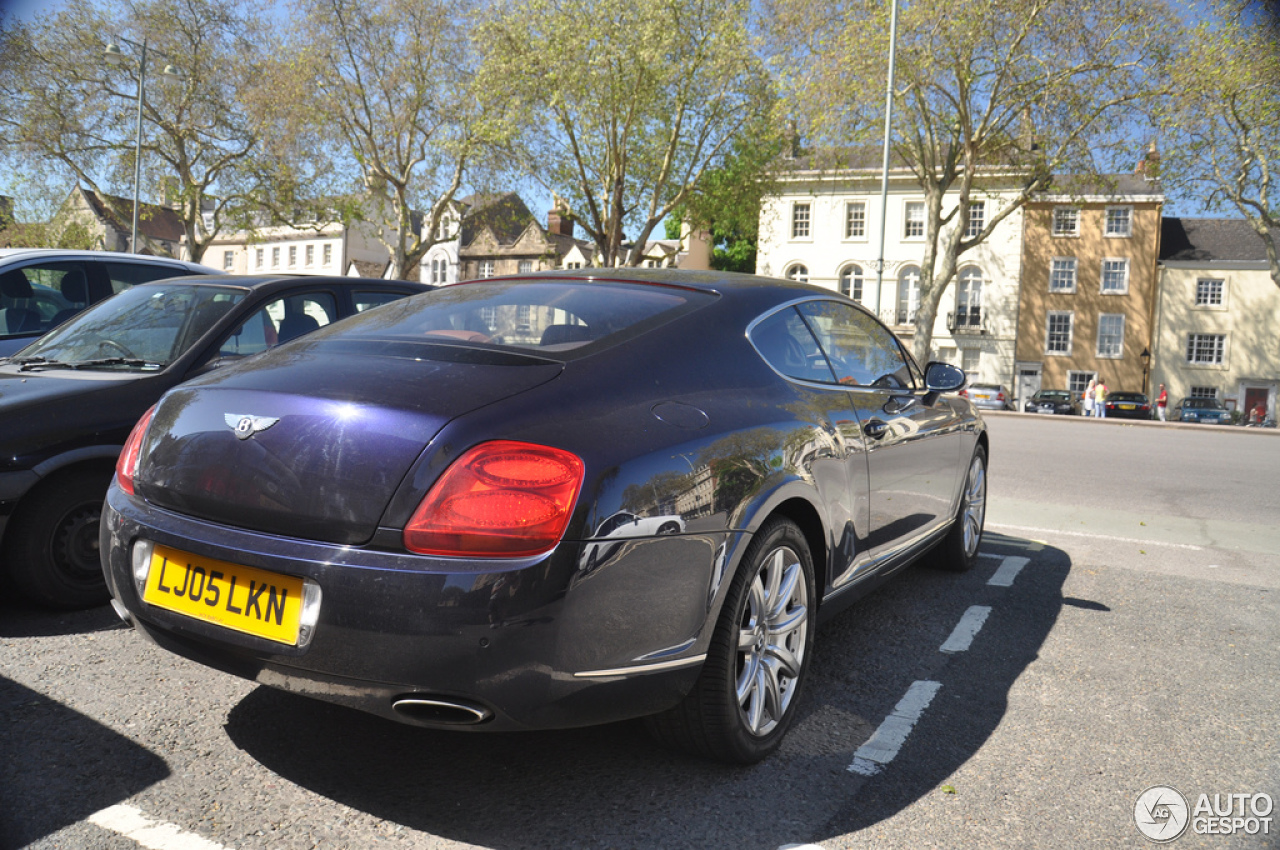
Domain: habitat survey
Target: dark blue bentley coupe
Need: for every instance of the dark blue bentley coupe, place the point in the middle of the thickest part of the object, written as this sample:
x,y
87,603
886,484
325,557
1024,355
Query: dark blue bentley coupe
x,y
415,512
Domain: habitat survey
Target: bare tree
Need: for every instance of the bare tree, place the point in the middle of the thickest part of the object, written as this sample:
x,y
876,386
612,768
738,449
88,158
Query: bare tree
x,y
624,106
389,84
982,88
67,110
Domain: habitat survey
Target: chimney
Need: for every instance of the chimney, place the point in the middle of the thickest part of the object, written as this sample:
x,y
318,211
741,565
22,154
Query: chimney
x,y
558,220
1149,165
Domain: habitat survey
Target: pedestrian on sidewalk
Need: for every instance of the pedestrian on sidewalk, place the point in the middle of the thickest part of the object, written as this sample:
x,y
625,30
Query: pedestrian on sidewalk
x,y
1100,399
1088,397
1162,403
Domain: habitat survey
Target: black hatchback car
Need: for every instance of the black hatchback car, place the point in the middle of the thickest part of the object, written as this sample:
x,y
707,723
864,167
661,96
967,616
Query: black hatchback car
x,y
1123,404
68,401
1052,401
549,501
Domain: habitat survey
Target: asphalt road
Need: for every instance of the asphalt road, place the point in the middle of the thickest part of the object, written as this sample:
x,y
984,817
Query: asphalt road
x,y
1122,631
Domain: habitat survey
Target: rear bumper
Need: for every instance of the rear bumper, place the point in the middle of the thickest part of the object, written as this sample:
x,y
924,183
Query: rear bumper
x,y
541,643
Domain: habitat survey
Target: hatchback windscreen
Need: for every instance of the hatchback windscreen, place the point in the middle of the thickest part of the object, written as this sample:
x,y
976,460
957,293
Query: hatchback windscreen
x,y
145,327
547,318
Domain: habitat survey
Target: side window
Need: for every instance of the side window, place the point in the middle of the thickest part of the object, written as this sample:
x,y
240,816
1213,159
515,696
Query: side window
x,y
365,299
287,317
862,351
125,275
786,344
39,297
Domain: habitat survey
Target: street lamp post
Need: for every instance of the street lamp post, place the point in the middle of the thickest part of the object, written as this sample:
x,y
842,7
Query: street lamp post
x,y
117,57
1146,365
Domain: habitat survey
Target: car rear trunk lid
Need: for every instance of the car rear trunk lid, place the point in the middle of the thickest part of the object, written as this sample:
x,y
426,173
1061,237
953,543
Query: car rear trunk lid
x,y
314,451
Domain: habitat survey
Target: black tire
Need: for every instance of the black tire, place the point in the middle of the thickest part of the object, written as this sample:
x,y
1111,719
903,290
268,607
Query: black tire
x,y
745,699
51,548
958,551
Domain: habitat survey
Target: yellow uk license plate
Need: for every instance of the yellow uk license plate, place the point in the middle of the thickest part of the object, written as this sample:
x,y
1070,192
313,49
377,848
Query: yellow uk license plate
x,y
249,600
1127,407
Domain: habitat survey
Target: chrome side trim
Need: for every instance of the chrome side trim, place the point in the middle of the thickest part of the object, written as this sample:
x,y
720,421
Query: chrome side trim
x,y
641,669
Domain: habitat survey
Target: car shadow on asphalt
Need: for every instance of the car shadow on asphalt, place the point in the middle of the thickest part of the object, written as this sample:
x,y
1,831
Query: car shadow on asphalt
x,y
22,619
58,767
611,786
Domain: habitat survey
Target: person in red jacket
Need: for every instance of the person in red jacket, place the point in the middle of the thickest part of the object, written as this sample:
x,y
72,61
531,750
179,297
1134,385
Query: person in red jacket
x,y
1162,402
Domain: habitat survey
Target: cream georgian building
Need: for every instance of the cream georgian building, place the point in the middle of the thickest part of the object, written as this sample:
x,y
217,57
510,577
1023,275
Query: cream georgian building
x,y
1217,316
317,248
823,227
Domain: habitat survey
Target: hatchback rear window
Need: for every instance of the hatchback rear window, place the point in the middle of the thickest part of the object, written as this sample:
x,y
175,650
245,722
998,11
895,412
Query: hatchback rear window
x,y
548,317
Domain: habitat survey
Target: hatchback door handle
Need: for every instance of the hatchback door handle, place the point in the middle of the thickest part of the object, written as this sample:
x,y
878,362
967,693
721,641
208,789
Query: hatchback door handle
x,y
875,429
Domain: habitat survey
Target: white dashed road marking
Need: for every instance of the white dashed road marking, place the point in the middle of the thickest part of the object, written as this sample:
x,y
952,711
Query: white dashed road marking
x,y
883,746
965,631
1008,572
154,835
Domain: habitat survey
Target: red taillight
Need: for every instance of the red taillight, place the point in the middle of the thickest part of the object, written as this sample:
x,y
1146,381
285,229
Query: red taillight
x,y
127,463
499,500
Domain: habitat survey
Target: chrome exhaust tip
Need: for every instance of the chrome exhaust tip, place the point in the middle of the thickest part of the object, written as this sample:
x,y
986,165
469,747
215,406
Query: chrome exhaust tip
x,y
441,711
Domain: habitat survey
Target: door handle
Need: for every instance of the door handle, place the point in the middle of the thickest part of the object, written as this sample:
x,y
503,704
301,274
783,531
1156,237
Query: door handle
x,y
875,429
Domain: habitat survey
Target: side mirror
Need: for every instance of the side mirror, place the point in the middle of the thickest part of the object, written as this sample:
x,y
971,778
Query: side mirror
x,y
944,378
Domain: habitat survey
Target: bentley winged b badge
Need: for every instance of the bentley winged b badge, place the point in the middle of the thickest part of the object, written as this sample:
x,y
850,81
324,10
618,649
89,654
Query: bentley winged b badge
x,y
245,426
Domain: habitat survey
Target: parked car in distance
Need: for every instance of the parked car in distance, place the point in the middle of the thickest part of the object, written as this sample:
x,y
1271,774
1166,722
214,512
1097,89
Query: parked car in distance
x,y
1206,411
988,396
1052,401
1122,404
419,545
40,288
69,400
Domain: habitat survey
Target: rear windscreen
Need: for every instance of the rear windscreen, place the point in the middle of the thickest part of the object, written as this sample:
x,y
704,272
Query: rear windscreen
x,y
547,317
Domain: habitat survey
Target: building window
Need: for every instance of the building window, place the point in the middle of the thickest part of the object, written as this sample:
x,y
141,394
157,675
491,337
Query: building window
x,y
1115,277
1058,334
293,255
969,298
977,219
1203,392
1209,292
1066,221
1078,382
1206,349
1062,274
800,221
1111,335
228,260
855,220
573,265
311,255
525,266
1119,221
258,257
908,295
971,361
275,258
651,264
851,282
486,268
798,272
913,227
327,254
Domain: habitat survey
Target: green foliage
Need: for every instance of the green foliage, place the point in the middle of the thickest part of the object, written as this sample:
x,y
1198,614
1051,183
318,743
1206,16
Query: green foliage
x,y
1221,124
624,107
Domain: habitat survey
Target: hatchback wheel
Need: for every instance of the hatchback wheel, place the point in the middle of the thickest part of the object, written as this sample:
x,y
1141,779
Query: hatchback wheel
x,y
52,552
745,699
